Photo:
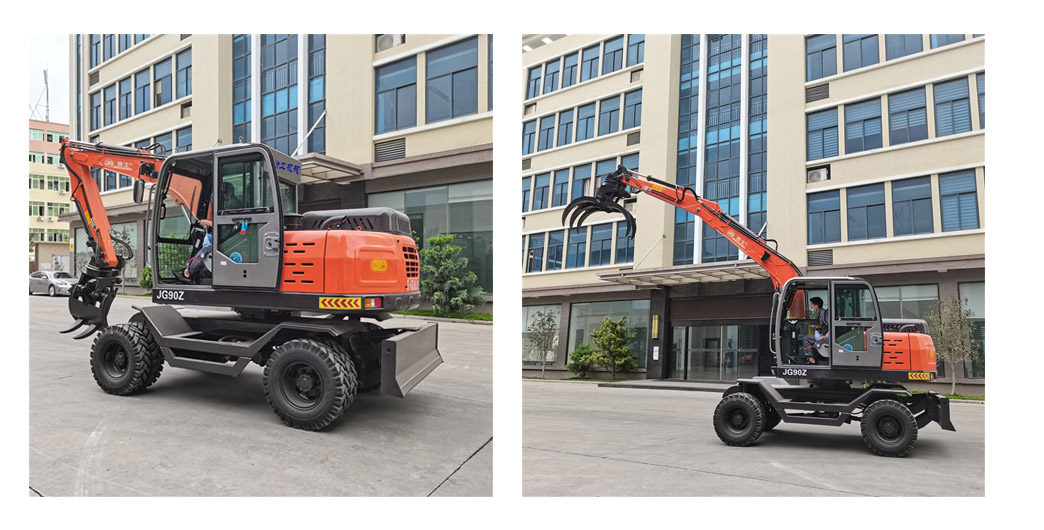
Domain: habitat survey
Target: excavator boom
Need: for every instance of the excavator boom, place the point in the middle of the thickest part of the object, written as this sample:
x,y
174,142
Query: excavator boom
x,y
617,185
90,298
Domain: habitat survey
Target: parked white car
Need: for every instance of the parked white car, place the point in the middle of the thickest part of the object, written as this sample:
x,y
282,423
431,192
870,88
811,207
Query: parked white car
x,y
51,282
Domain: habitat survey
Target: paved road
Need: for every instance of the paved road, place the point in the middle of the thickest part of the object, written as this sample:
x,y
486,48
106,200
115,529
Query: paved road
x,y
582,440
201,434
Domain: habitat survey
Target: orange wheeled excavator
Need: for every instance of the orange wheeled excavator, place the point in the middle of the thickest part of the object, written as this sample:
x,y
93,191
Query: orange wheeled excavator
x,y
860,346
298,285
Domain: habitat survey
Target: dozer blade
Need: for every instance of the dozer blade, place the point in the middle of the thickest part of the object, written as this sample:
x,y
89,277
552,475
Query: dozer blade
x,y
407,358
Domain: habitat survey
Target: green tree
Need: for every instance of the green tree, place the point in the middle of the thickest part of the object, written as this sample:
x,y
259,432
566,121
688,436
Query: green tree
x,y
145,278
445,278
951,329
611,351
542,337
581,361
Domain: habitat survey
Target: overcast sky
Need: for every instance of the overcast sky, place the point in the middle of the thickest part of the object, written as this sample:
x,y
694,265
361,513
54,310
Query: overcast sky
x,y
49,52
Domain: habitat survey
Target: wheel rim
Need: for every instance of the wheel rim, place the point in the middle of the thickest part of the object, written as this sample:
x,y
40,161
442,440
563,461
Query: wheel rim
x,y
889,428
737,420
50,290
115,361
302,386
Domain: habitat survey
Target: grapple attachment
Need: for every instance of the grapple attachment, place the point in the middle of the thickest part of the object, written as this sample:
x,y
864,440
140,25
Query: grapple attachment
x,y
91,297
605,200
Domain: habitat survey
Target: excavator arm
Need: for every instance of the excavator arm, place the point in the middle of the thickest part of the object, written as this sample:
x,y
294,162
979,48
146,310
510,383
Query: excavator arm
x,y
617,185
90,298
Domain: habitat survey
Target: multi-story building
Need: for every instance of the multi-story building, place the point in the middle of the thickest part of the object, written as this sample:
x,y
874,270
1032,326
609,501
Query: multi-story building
x,y
395,120
48,197
860,155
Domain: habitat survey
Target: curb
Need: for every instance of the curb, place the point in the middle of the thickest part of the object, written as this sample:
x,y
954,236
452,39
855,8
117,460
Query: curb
x,y
443,319
683,388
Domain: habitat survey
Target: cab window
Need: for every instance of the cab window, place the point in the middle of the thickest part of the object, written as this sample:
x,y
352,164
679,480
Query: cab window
x,y
244,185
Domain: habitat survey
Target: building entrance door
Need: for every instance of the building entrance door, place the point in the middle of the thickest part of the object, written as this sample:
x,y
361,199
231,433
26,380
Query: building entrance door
x,y
716,352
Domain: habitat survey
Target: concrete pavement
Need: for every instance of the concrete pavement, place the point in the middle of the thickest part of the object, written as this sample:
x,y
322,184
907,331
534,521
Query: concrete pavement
x,y
583,440
201,434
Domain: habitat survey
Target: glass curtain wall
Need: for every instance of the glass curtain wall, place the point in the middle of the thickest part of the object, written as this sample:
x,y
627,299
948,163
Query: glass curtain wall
x,y
586,317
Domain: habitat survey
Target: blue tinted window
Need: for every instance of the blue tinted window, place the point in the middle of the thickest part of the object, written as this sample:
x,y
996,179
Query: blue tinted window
x,y
907,117
535,259
601,245
612,57
863,126
555,250
581,181
589,66
577,248
585,122
397,95
635,49
96,109
821,56
980,83
866,212
624,244
824,217
528,137
952,108
316,93
526,193
609,116
958,203
860,50
185,73
569,69
633,109
901,45
942,39
533,88
452,81
110,105
541,191
162,87
822,134
185,139
565,127
551,76
560,188
126,99
912,206
241,98
547,133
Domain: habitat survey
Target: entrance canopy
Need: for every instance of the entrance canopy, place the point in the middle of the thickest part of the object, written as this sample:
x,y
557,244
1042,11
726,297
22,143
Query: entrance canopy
x,y
685,274
316,167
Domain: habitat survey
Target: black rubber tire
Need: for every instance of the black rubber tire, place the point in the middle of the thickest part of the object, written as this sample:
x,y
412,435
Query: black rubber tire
x,y
50,291
125,359
889,428
739,419
309,383
771,420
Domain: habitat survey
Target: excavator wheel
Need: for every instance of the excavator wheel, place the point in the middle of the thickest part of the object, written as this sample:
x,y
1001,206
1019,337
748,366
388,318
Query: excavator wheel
x,y
739,419
889,428
309,383
125,359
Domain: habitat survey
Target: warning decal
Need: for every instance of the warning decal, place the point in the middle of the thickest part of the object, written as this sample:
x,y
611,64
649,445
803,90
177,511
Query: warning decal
x,y
353,302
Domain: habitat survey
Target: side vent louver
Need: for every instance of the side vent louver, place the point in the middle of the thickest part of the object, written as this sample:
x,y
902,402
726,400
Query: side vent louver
x,y
818,258
816,93
390,150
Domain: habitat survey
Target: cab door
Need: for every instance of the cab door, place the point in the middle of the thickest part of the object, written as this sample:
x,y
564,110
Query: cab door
x,y
247,221
857,338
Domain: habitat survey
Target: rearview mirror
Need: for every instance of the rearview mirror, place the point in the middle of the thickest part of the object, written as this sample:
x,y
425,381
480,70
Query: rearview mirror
x,y
139,191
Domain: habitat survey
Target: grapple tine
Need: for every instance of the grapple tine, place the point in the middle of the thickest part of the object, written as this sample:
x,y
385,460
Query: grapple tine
x,y
90,331
584,217
579,202
79,324
577,213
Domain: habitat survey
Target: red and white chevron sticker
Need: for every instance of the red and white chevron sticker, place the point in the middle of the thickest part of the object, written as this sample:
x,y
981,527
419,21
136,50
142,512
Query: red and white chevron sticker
x,y
351,302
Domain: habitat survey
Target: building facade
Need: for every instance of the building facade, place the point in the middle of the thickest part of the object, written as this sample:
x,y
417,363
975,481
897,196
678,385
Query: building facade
x,y
400,120
859,155
48,197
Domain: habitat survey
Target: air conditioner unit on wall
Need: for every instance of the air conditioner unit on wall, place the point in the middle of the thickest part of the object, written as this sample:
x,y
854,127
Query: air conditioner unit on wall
x,y
389,40
819,175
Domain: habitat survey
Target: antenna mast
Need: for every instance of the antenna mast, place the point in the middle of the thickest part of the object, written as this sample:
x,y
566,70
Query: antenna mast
x,y
47,103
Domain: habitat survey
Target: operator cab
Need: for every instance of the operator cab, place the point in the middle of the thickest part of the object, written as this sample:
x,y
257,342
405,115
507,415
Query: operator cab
x,y
854,336
242,192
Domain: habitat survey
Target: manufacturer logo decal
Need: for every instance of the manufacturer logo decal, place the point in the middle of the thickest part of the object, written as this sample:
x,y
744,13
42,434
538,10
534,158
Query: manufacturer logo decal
x,y
353,302
920,376
378,265
236,257
735,238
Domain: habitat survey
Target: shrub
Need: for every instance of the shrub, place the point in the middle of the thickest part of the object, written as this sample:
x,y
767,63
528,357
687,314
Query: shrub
x,y
581,361
445,278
